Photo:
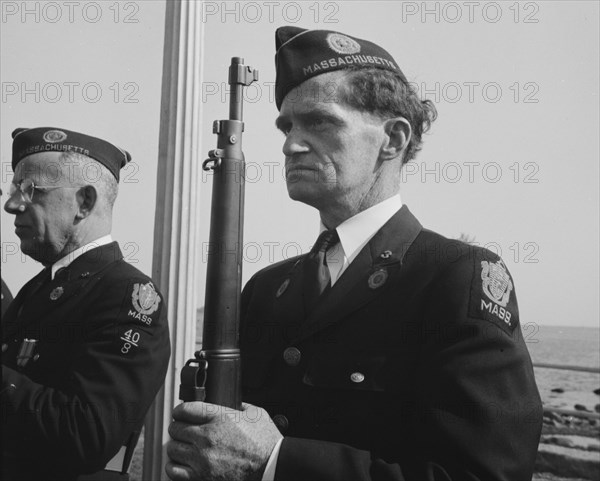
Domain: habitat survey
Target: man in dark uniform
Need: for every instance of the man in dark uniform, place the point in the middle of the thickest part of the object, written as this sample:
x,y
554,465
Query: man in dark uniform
x,y
7,297
389,351
85,343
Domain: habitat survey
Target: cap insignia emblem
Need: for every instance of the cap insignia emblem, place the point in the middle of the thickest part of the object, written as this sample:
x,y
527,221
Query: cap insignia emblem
x,y
496,282
145,299
53,136
342,44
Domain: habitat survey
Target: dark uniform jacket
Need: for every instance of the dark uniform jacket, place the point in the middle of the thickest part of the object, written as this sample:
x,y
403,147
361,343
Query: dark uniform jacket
x,y
83,357
412,367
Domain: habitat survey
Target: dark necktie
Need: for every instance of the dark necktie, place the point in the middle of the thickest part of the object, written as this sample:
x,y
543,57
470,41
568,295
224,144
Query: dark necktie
x,y
45,278
316,272
61,274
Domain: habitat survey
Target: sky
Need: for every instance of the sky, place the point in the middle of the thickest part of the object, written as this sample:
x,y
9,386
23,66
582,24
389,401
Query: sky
x,y
511,162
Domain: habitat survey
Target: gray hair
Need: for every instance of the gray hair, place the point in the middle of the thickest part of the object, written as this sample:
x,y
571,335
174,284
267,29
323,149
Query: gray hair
x,y
87,171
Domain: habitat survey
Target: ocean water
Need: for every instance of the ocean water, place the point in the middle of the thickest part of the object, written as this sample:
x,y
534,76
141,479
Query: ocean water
x,y
573,346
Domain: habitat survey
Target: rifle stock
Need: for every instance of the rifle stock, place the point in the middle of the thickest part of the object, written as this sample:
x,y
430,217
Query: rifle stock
x,y
214,374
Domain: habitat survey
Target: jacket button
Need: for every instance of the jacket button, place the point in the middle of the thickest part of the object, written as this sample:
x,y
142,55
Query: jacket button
x,y
281,422
4,347
292,356
357,377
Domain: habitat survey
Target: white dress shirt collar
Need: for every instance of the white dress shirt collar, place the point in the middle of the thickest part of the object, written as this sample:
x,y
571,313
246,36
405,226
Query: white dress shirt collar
x,y
356,232
71,256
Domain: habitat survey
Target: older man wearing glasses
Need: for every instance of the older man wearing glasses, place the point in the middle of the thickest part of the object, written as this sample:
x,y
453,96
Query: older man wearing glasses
x,y
85,343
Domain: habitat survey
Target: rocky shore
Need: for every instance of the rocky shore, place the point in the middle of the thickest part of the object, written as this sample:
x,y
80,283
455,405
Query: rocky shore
x,y
570,445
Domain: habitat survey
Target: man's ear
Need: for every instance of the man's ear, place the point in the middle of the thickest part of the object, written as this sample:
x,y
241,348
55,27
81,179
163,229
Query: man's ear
x,y
87,197
398,133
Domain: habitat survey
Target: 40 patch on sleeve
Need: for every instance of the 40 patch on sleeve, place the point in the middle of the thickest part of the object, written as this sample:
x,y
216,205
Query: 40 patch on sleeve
x,y
493,295
144,303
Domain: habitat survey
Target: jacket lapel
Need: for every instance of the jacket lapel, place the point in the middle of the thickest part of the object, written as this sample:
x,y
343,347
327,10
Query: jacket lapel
x,y
51,295
9,320
289,304
371,273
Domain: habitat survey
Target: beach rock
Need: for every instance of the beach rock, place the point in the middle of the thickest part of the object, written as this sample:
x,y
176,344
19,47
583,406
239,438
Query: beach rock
x,y
585,443
597,391
558,389
597,408
567,462
552,419
581,407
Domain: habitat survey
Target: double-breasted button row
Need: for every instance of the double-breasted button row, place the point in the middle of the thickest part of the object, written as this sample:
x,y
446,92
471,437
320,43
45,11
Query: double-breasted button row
x,y
292,356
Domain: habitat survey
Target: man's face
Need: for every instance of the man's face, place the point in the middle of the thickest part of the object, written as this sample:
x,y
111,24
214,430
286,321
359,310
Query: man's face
x,y
46,224
331,150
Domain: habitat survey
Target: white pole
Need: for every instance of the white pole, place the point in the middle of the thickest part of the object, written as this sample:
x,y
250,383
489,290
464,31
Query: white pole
x,y
177,209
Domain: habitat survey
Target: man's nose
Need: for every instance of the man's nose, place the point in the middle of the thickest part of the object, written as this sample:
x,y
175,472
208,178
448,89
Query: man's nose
x,y
14,204
295,143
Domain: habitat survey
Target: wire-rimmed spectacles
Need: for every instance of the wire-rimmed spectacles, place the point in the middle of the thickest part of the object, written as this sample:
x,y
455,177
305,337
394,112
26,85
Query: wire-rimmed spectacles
x,y
27,188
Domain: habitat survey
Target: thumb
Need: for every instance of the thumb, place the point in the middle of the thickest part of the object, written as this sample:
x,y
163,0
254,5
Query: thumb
x,y
197,412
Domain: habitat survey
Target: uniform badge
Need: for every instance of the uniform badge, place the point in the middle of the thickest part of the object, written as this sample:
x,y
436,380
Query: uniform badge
x,y
497,284
386,254
26,352
54,136
378,278
56,293
342,44
145,299
492,294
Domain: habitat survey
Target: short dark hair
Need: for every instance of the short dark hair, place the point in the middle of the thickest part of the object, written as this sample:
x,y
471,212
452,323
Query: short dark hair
x,y
387,94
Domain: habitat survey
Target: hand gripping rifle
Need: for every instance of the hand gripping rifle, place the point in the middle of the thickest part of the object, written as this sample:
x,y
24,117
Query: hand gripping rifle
x,y
214,373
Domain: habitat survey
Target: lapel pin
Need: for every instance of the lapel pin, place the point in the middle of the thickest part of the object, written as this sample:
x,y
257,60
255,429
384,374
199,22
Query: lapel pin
x,y
282,288
378,278
56,293
84,275
386,254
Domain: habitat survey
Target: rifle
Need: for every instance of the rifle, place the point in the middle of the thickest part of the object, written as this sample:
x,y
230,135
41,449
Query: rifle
x,y
214,373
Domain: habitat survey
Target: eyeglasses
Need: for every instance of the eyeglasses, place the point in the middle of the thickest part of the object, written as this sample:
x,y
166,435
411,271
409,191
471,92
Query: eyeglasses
x,y
27,188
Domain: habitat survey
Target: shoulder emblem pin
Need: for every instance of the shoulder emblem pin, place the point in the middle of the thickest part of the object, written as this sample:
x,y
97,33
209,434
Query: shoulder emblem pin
x,y
144,298
496,284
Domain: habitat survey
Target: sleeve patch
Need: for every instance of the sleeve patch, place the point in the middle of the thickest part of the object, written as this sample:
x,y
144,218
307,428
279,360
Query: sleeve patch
x,y
492,294
143,304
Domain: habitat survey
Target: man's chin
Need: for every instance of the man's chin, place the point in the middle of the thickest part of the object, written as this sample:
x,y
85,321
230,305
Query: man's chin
x,y
304,194
35,251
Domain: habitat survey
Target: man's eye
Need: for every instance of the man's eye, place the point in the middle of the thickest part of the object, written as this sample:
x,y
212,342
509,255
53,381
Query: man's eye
x,y
317,123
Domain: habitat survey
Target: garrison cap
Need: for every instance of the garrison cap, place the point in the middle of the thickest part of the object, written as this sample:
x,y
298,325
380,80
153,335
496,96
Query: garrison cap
x,y
303,54
51,139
